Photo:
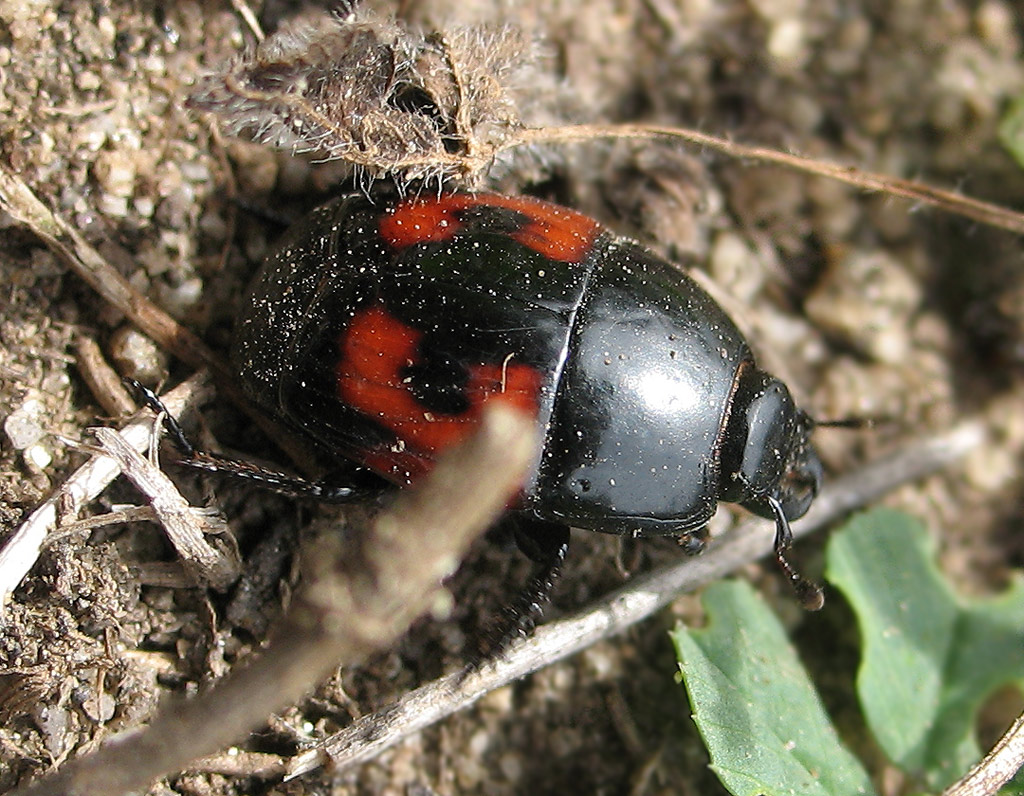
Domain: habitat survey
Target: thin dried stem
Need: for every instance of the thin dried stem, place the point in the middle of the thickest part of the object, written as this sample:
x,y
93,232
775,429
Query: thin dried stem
x,y
359,599
21,550
20,203
103,381
641,597
982,212
67,243
999,766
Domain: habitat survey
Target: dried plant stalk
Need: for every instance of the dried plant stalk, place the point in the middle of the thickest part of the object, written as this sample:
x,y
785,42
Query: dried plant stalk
x,y
359,598
386,99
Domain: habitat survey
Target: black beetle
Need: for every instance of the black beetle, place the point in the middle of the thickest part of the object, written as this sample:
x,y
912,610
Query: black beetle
x,y
380,330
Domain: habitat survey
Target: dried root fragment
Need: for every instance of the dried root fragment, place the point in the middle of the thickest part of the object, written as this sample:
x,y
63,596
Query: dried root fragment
x,y
386,99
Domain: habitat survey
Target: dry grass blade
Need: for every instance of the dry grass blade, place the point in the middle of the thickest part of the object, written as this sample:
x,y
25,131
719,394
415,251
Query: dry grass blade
x,y
64,240
187,526
982,212
21,550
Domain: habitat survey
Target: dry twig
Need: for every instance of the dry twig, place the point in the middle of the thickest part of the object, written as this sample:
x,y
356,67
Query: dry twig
x,y
103,381
66,242
21,550
18,201
359,598
998,767
186,526
641,597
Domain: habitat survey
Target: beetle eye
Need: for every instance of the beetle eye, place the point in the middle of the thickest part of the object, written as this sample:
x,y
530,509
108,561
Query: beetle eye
x,y
801,481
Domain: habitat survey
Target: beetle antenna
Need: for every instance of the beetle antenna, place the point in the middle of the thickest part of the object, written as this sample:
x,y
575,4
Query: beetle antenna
x,y
810,594
272,480
853,422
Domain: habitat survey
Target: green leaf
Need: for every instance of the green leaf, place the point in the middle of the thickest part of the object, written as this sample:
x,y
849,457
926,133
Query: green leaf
x,y
930,658
1011,129
758,713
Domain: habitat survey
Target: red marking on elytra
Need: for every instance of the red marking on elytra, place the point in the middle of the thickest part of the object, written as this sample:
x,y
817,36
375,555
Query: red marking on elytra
x,y
556,232
376,348
403,467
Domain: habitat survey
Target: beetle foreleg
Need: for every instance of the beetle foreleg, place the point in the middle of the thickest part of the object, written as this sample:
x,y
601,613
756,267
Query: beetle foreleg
x,y
547,544
810,594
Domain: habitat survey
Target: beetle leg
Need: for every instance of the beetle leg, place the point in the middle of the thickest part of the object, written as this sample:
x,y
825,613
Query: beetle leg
x,y
693,542
546,544
810,594
273,480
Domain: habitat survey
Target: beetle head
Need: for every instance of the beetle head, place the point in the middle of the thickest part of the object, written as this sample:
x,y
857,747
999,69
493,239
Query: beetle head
x,y
767,462
766,449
